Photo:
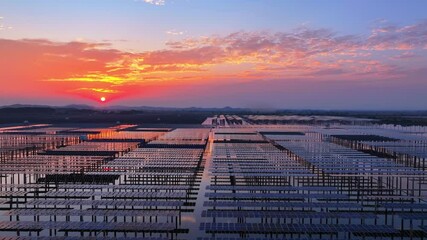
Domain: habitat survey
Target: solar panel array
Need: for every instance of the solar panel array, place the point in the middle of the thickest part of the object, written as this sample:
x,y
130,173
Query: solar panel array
x,y
301,183
114,184
236,181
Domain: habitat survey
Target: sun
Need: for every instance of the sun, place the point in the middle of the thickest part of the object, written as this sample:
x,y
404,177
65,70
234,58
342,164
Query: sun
x,y
103,99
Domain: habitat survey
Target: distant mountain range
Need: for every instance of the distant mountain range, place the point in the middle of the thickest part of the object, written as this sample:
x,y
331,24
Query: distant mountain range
x,y
225,110
75,113
127,108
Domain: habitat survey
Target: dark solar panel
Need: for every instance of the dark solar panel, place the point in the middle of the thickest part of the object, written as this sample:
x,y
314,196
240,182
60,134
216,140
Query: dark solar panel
x,y
293,228
281,204
283,214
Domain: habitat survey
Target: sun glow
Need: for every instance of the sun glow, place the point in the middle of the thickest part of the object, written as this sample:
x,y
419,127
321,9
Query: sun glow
x,y
103,99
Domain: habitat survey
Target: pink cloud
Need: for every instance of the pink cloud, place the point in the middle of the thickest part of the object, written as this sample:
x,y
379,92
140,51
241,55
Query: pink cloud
x,y
394,37
304,53
405,56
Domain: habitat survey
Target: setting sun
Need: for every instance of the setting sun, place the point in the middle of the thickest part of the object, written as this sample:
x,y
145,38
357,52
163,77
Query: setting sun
x,y
103,99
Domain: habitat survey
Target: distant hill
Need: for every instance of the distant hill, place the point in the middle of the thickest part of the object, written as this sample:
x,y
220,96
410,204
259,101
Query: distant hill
x,y
128,108
78,106
19,113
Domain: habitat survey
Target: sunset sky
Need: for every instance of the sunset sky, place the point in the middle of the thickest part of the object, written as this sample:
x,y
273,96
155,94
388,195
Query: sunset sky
x,y
319,54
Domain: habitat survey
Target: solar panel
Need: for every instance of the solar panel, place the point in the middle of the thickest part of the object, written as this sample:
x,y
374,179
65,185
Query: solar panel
x,y
258,204
293,228
283,214
274,196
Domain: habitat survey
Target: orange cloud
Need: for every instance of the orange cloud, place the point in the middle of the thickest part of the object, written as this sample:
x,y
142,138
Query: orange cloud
x,y
38,66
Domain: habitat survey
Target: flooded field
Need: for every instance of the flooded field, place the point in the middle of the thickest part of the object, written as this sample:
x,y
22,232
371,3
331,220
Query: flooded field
x,y
231,178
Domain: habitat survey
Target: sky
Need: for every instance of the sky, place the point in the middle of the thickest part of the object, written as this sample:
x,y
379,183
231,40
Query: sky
x,y
300,54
